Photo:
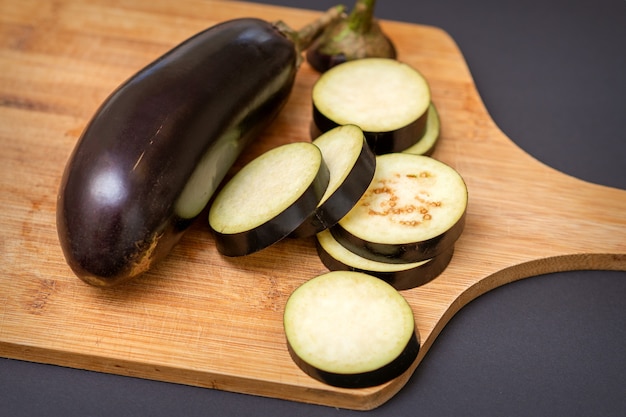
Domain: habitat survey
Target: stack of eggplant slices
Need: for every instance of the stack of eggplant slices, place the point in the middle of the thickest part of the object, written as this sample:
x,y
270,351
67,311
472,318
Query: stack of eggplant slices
x,y
385,214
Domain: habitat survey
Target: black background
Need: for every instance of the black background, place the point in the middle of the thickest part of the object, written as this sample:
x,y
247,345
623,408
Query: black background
x,y
552,74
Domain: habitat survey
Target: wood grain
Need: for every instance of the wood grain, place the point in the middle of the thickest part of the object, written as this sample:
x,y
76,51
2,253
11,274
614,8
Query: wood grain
x,y
204,320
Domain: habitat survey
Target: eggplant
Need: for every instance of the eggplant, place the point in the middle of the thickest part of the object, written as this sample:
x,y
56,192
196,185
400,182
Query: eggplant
x,y
428,142
350,329
414,210
401,276
352,165
354,36
388,99
155,151
268,198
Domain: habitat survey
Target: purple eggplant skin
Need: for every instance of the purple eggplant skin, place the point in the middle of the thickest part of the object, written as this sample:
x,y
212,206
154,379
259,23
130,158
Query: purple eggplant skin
x,y
401,280
119,207
404,252
379,376
380,142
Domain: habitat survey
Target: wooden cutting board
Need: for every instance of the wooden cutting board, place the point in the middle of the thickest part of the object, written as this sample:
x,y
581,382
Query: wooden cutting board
x,y
204,320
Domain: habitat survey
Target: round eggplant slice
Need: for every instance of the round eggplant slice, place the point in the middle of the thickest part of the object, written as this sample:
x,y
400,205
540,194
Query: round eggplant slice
x,y
401,276
427,144
351,164
350,329
413,210
387,99
268,198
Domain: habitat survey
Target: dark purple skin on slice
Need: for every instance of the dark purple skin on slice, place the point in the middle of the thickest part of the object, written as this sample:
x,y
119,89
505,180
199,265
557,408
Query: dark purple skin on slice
x,y
115,211
380,142
400,253
400,280
366,379
274,230
343,199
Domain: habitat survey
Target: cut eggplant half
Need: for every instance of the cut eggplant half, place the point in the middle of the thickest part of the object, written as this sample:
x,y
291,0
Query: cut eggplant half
x,y
268,198
386,98
413,210
354,36
402,276
351,164
427,144
350,329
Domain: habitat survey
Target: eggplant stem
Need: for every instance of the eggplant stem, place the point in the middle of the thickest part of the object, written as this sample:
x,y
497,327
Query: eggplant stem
x,y
361,16
303,38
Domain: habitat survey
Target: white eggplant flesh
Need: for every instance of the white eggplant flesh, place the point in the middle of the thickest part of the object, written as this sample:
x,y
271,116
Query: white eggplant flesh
x,y
268,198
413,210
386,98
351,165
350,329
428,143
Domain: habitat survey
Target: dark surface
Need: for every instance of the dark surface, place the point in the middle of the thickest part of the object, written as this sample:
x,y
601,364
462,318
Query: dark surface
x,y
553,76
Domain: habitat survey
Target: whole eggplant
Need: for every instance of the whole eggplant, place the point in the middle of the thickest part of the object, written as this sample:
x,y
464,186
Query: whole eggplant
x,y
155,151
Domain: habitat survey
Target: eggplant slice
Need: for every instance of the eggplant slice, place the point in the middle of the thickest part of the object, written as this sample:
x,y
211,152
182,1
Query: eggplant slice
x,y
413,210
427,144
386,98
352,165
401,276
268,198
350,329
